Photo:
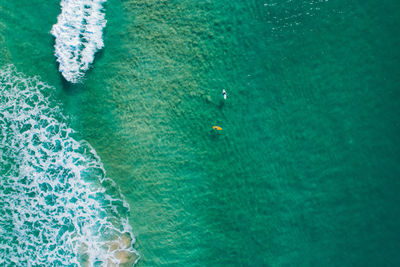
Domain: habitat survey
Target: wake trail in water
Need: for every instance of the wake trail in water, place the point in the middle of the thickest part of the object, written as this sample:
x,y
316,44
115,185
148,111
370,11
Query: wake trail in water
x,y
78,34
57,207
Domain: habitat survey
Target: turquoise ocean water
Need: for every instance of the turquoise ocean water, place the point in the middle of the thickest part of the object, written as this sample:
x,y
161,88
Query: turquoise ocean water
x,y
306,171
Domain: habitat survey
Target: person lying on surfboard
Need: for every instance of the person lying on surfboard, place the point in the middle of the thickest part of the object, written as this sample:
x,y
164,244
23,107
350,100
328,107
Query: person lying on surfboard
x,y
224,93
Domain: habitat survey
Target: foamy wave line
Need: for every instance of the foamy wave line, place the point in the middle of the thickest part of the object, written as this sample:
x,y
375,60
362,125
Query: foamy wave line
x,y
57,208
78,34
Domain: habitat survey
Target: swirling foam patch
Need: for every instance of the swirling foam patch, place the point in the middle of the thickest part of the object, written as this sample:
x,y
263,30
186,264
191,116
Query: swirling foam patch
x,y
57,208
78,34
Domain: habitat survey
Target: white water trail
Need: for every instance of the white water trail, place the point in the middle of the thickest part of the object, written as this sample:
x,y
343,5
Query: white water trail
x,y
79,34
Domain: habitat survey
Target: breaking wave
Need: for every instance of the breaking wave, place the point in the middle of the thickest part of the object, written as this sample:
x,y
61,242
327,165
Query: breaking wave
x,y
78,34
57,207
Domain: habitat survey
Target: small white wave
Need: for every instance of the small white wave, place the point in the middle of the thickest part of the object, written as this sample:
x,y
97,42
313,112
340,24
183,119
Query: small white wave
x,y
78,34
57,208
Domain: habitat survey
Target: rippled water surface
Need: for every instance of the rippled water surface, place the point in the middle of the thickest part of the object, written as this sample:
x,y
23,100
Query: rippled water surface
x,y
304,173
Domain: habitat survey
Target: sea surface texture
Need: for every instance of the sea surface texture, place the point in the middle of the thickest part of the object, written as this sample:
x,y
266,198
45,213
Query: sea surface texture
x,y
305,171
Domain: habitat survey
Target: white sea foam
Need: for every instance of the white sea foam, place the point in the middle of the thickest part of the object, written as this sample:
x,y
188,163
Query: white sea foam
x,y
57,207
78,34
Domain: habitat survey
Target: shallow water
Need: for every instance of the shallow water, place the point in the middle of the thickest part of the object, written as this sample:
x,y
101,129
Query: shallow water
x,y
305,171
57,206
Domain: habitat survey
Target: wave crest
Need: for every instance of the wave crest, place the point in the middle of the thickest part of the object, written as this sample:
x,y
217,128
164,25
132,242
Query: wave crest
x,y
78,34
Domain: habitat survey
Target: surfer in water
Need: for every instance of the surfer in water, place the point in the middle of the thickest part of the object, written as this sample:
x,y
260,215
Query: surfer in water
x,y
224,93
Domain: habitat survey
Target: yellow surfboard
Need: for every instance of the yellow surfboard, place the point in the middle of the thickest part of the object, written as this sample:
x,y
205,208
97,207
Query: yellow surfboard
x,y
217,128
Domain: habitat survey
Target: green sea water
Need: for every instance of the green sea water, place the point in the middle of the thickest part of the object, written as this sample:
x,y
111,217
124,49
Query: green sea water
x,y
306,171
